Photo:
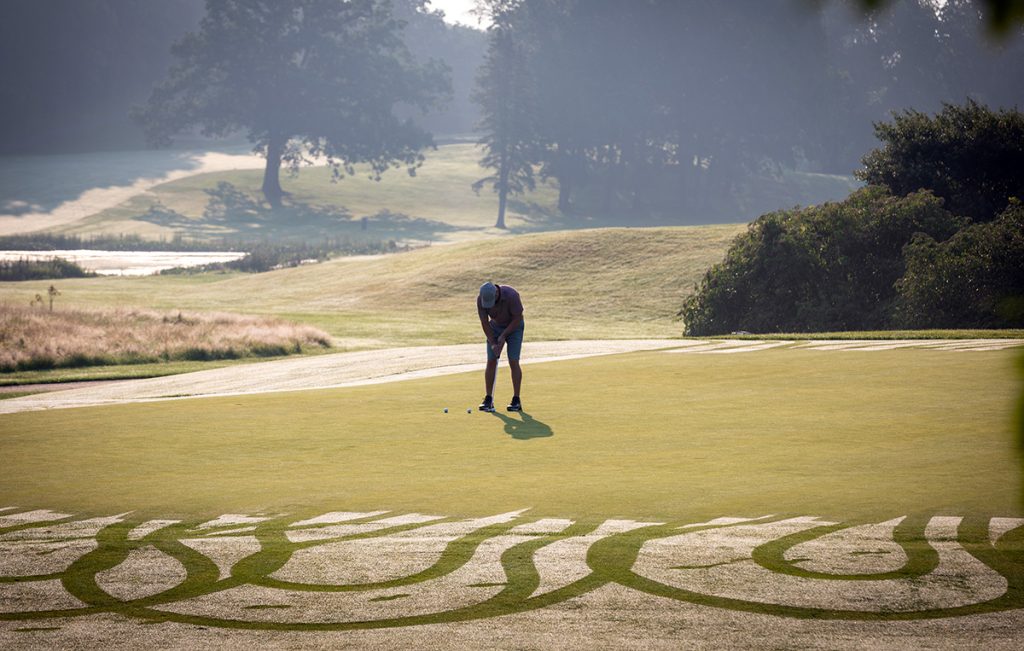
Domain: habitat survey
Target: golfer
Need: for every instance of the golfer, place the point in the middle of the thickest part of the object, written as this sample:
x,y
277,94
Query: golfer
x,y
501,316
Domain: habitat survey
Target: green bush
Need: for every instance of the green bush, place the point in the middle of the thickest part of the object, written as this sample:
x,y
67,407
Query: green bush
x,y
823,268
49,269
974,279
969,155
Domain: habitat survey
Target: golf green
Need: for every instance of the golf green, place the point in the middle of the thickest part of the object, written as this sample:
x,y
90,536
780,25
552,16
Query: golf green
x,y
646,435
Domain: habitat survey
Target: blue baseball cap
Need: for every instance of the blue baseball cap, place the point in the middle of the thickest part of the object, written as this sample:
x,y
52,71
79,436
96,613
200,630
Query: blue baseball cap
x,y
488,295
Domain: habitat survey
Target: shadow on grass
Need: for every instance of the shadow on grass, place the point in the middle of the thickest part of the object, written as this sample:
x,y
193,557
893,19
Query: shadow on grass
x,y
536,218
232,212
525,427
27,182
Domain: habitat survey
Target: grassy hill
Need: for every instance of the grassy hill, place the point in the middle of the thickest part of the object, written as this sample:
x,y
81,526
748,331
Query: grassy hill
x,y
435,205
596,283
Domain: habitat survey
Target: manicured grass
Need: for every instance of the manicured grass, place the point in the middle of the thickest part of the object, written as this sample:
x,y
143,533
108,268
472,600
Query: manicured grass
x,y
646,435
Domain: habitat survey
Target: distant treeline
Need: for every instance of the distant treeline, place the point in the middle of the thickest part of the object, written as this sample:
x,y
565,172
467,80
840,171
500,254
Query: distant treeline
x,y
266,256
40,269
259,257
667,106
58,242
947,255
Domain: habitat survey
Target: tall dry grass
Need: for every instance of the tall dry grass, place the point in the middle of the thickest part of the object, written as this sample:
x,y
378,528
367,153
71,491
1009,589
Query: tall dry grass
x,y
34,338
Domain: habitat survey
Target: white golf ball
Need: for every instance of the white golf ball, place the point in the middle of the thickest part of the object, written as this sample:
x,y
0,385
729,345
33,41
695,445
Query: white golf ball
x,y
469,411
446,410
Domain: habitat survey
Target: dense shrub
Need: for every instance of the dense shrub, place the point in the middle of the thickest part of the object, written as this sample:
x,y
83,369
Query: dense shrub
x,y
969,155
974,279
822,268
41,269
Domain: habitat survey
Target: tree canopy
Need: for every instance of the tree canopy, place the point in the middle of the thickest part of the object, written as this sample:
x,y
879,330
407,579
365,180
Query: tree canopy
x,y
939,245
674,108
304,79
969,155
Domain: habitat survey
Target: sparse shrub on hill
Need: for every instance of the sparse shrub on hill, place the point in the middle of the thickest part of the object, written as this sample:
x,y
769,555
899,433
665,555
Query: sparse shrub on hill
x,y
823,268
974,279
32,339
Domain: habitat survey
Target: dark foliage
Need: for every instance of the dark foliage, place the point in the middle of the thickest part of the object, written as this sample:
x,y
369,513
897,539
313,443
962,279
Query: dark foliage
x,y
304,79
41,269
969,155
57,242
266,256
973,280
823,268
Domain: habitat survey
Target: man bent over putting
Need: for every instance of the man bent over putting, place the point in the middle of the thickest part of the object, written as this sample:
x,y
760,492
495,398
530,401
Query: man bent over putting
x,y
501,317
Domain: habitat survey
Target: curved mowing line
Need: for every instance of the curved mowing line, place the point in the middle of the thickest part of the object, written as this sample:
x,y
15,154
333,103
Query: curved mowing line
x,y
456,554
611,560
922,558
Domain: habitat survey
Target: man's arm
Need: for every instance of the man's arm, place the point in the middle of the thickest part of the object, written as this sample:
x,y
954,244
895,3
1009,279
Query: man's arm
x,y
485,325
512,327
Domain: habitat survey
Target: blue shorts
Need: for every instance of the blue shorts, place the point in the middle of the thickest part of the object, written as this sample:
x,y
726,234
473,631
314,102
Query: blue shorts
x,y
513,345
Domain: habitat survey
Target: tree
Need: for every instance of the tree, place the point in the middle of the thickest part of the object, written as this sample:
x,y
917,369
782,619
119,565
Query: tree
x,y
973,279
304,79
823,268
969,155
1001,15
505,94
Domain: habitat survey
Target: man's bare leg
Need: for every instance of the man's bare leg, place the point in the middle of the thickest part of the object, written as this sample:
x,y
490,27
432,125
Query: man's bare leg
x,y
517,375
489,373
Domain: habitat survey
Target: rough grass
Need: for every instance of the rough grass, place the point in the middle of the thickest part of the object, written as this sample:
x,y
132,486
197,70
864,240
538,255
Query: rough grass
x,y
586,284
32,339
645,435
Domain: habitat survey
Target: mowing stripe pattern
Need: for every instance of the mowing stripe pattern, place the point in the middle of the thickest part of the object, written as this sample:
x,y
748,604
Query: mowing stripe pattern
x,y
408,569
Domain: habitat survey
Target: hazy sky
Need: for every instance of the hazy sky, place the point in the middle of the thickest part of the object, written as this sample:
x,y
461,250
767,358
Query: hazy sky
x,y
457,11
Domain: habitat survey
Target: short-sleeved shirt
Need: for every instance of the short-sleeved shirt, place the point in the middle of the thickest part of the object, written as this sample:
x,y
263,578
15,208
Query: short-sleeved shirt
x,y
508,307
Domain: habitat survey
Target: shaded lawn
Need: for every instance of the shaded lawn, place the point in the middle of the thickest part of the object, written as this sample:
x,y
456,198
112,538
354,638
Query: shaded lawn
x,y
647,435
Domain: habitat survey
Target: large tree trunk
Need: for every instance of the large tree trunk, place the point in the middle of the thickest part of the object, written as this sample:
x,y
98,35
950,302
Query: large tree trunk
x,y
565,194
502,200
272,191
503,174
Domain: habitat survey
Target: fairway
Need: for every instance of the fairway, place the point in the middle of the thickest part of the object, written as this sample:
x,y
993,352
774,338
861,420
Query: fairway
x,y
837,434
810,490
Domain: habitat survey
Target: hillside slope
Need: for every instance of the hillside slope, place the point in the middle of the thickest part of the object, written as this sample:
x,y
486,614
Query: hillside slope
x,y
585,284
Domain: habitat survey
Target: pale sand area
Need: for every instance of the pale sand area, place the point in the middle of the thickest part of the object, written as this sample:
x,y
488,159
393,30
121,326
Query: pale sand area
x,y
321,372
98,199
